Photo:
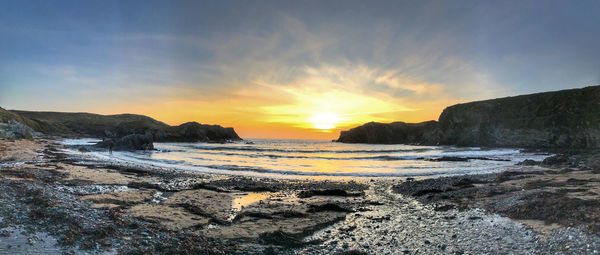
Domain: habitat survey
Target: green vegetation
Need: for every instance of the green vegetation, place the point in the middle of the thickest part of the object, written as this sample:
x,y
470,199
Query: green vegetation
x,y
115,126
88,124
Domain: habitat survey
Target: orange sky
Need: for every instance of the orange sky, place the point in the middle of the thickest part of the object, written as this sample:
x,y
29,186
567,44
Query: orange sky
x,y
316,106
258,125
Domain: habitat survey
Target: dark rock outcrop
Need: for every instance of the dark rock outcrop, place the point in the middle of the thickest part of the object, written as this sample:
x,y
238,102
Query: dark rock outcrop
x,y
392,133
129,143
567,119
195,132
529,162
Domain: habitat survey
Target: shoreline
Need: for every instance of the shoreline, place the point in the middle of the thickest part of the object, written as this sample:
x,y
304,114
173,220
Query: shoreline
x,y
484,160
95,207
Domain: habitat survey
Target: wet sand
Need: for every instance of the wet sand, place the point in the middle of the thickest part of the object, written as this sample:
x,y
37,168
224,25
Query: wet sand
x,y
96,206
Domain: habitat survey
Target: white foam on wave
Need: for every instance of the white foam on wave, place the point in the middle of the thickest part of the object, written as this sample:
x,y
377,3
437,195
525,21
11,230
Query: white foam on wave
x,y
80,141
400,161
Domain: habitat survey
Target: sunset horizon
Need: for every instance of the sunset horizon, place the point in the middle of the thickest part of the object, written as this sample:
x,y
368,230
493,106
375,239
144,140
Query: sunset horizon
x,y
320,126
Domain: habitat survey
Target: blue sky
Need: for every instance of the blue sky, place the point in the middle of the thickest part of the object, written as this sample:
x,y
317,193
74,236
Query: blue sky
x,y
405,60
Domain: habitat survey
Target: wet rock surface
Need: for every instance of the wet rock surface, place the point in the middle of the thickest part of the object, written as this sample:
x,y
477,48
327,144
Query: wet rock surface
x,y
94,207
129,143
565,196
122,197
407,226
552,202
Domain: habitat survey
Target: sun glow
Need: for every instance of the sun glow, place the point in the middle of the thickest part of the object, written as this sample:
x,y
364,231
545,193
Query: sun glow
x,y
324,121
317,105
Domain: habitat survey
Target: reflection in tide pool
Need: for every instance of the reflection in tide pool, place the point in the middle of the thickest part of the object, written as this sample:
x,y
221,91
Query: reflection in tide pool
x,y
324,159
242,201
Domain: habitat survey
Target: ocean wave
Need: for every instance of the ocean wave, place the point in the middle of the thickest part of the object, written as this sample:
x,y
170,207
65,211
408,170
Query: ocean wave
x,y
80,141
466,156
303,159
165,161
262,155
238,168
264,164
253,148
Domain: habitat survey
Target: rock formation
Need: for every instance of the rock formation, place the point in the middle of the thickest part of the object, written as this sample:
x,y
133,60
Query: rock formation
x,y
392,133
567,119
129,143
195,132
561,119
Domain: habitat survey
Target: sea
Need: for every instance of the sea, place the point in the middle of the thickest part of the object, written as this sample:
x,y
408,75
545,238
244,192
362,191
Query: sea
x,y
318,159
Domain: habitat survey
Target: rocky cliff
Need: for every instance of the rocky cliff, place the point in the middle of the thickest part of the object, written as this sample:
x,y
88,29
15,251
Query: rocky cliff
x,y
560,119
195,132
392,133
116,126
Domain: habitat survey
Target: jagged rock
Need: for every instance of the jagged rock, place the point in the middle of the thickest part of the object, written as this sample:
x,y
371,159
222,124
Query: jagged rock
x,y
392,133
129,143
196,132
555,160
529,162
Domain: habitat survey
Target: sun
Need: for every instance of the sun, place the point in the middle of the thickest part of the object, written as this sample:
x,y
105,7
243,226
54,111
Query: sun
x,y
324,121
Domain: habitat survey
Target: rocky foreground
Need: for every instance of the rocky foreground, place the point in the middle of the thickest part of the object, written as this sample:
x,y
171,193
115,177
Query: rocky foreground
x,y
56,202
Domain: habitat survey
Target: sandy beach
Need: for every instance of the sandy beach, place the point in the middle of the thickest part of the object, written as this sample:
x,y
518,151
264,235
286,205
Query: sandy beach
x,y
60,202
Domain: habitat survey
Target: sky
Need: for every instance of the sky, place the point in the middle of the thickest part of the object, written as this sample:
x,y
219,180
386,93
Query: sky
x,y
290,69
